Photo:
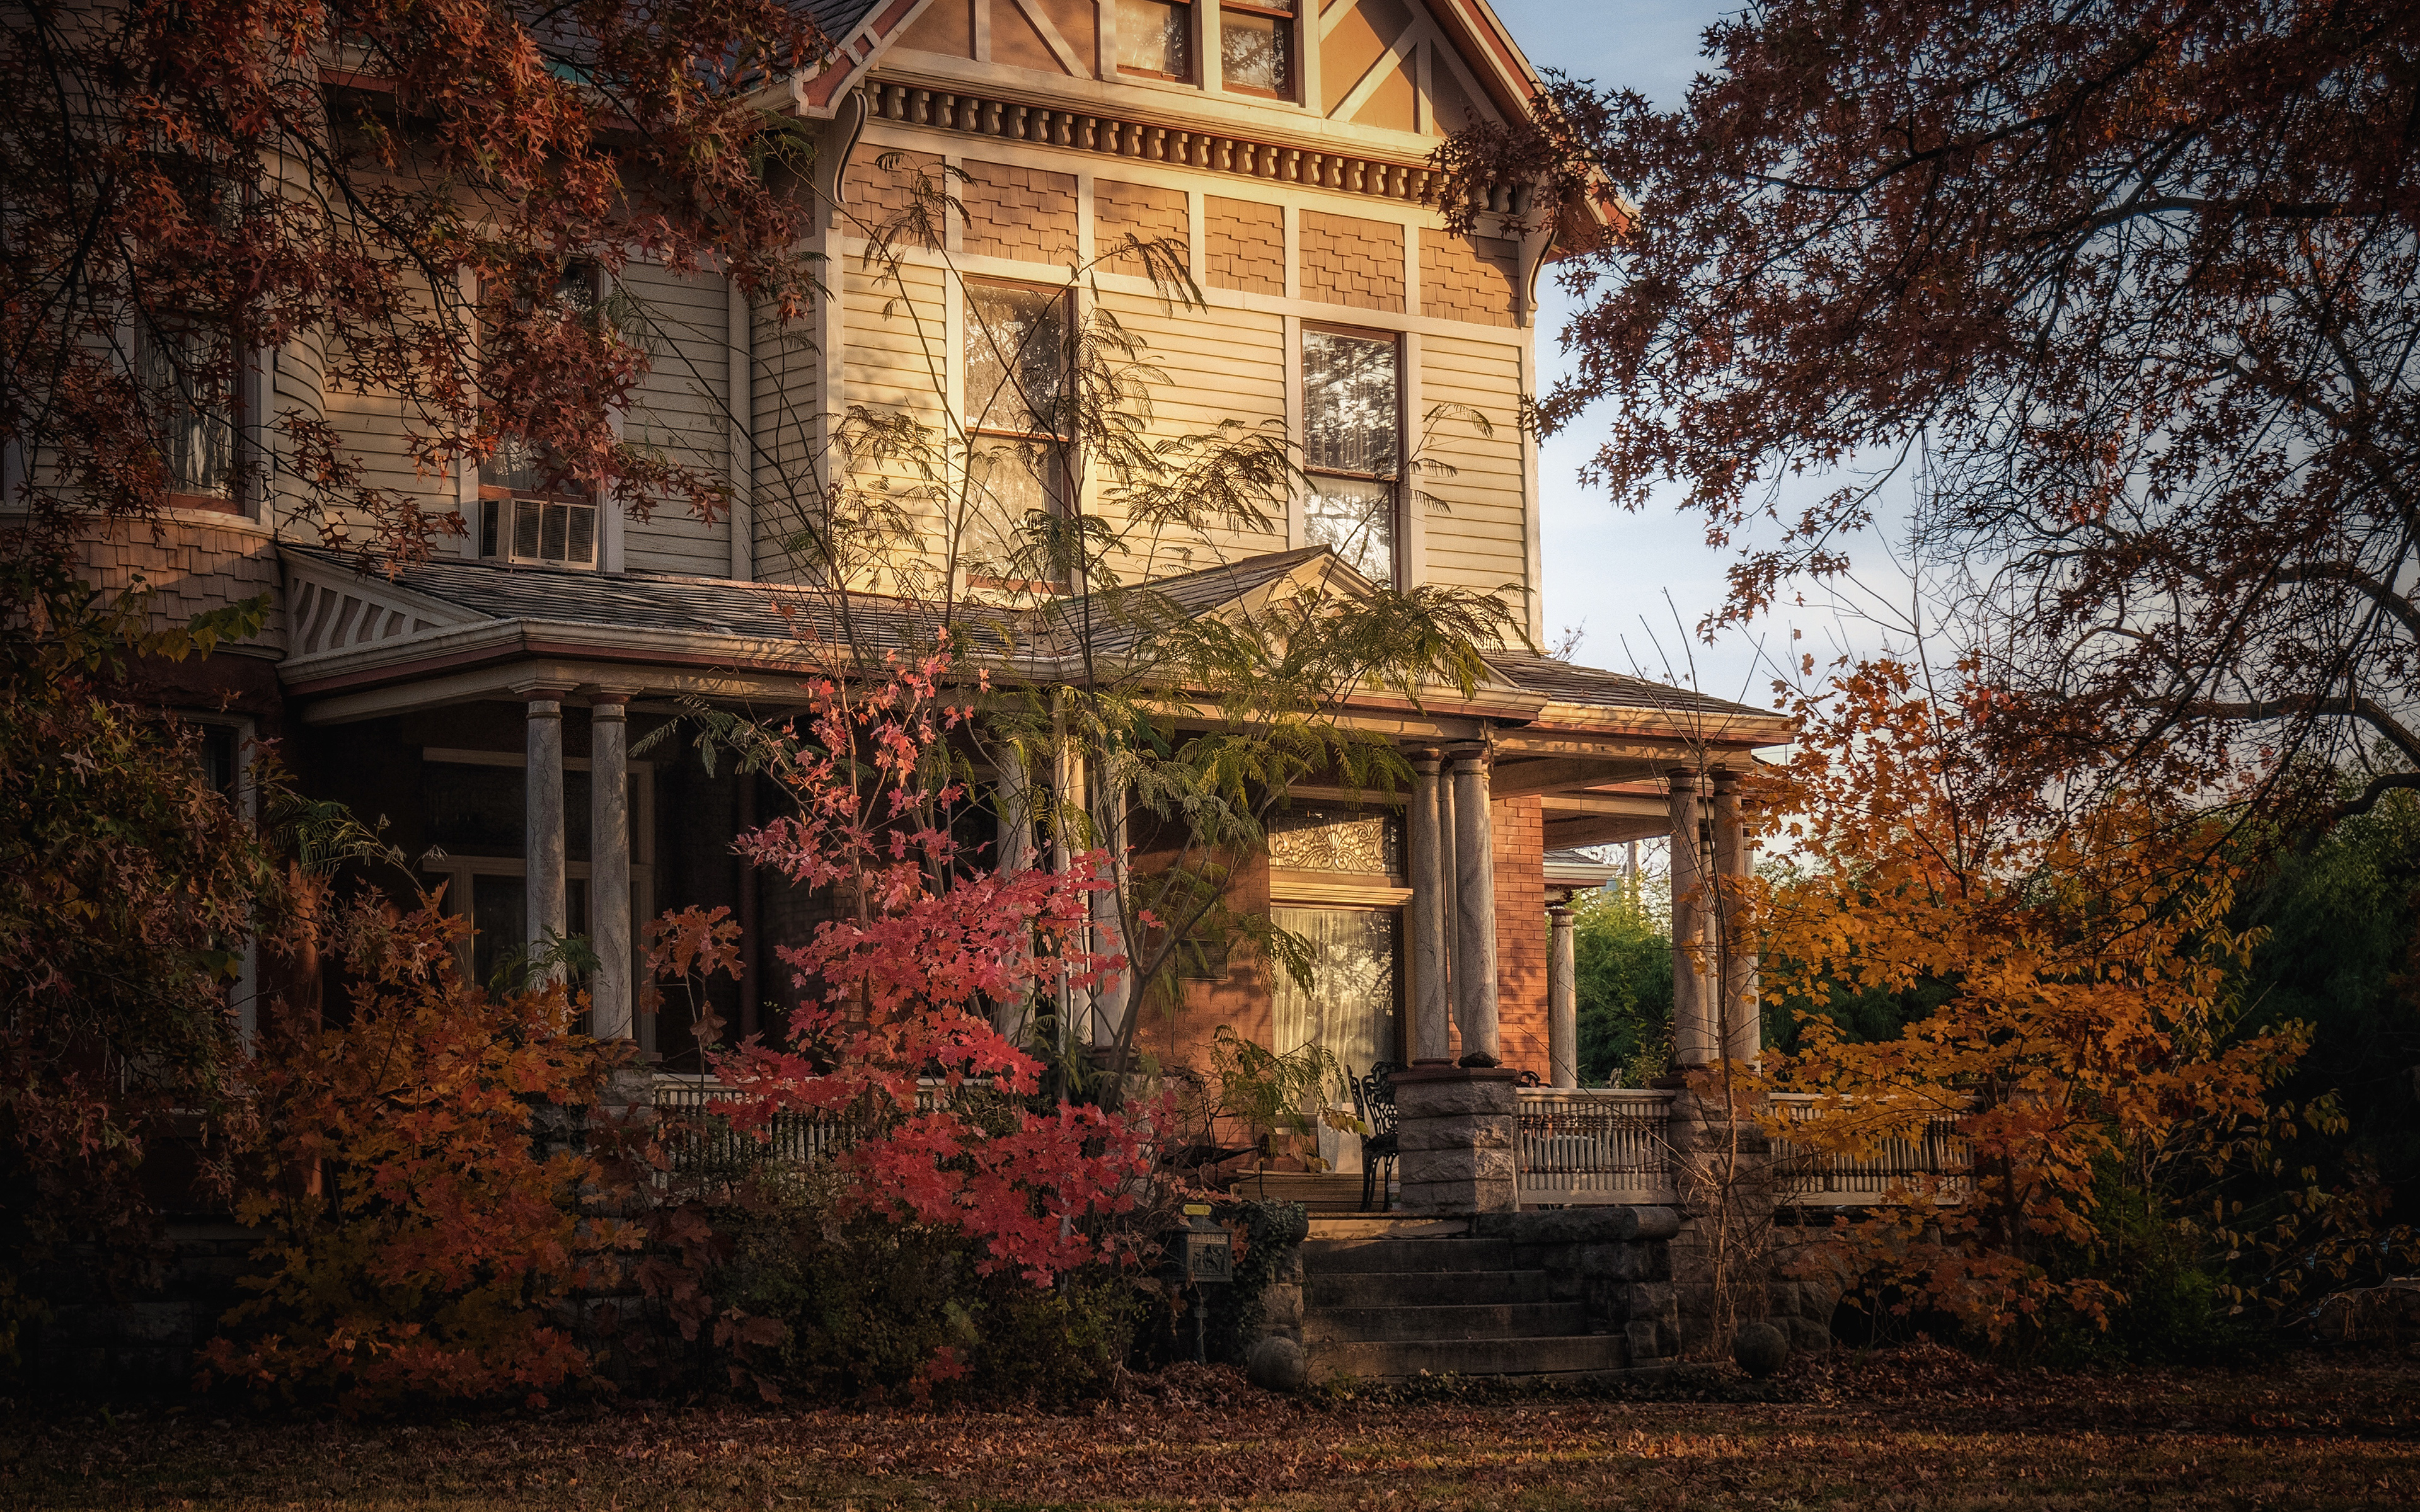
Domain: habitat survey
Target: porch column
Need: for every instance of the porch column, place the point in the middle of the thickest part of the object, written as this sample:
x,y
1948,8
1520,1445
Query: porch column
x,y
1693,1008
1432,1004
542,818
1562,1000
1112,996
1742,1026
1012,801
1474,944
611,1005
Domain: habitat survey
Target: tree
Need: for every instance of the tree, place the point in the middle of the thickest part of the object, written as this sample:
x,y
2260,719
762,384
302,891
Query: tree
x,y
399,188
1623,953
2091,1047
129,887
2128,295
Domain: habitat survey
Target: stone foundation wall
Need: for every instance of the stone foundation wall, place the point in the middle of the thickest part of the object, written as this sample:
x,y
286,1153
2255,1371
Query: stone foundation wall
x,y
1618,1261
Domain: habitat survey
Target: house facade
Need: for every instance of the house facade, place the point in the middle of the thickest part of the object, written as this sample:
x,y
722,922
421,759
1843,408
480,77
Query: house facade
x,y
1274,159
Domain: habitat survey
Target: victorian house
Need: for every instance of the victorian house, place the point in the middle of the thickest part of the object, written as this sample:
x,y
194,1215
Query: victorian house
x,y
486,704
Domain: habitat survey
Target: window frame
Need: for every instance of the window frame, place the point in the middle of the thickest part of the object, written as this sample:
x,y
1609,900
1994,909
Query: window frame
x,y
1397,481
1287,17
154,332
1058,448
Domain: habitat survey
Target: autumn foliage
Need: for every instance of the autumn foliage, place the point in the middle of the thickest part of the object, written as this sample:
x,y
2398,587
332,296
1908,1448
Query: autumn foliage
x,y
2091,1049
898,994
420,1173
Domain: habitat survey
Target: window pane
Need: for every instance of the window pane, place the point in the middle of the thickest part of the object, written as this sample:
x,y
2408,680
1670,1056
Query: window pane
x,y
1256,53
491,510
1357,517
525,517
550,543
1351,411
580,548
1350,1009
1151,37
1017,359
184,378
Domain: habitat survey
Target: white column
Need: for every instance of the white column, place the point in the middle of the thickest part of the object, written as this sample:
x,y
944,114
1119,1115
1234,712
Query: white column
x,y
1431,916
542,820
1740,1026
1692,1035
612,1008
1474,865
1012,853
1113,998
1562,1000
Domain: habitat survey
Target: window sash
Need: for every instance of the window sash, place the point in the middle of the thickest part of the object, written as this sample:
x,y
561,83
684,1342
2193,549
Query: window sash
x,y
192,426
1351,404
1256,51
1016,361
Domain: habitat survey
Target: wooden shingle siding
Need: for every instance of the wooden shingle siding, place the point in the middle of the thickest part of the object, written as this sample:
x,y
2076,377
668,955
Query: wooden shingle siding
x,y
1478,538
1024,214
1350,261
874,194
681,408
1144,211
1467,278
1244,245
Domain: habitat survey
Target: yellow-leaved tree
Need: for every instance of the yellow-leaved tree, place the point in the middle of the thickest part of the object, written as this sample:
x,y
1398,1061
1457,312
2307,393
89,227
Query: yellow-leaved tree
x,y
2091,1051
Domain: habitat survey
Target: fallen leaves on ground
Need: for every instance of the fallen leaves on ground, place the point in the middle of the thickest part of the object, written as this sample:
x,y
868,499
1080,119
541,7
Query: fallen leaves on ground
x,y
1916,1427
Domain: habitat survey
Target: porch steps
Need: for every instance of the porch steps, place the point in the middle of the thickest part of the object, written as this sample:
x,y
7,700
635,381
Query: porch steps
x,y
1394,1307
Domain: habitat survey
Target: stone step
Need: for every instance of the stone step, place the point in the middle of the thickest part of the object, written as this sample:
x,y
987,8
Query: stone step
x,y
1397,1359
1340,1257
1422,1288
1498,1322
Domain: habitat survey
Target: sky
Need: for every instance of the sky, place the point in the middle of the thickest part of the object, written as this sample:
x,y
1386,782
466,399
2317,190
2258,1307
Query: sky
x,y
1636,584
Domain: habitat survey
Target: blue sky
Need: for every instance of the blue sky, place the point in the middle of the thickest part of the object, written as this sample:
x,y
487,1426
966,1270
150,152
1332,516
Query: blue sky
x,y
1632,582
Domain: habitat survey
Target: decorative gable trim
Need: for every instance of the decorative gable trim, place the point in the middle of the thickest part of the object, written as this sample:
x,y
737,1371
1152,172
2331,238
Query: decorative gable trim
x,y
331,608
817,91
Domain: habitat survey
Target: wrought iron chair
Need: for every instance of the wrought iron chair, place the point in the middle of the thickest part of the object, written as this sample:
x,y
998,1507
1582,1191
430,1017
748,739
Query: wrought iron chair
x,y
1373,1104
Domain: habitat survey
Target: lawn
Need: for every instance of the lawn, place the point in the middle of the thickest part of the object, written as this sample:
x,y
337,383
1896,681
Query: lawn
x,y
1910,1428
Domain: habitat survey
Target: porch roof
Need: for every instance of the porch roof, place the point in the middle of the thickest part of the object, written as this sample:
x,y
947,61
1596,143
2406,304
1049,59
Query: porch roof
x,y
459,629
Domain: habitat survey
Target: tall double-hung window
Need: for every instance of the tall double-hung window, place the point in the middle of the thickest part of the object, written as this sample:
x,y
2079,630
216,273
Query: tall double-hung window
x,y
1352,447
531,511
1017,395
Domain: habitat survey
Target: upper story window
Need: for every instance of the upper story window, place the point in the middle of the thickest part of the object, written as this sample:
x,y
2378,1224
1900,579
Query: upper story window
x,y
1016,370
1353,425
530,510
1256,49
1155,38
187,376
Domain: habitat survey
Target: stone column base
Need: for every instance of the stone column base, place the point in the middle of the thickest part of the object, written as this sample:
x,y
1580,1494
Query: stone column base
x,y
1454,1137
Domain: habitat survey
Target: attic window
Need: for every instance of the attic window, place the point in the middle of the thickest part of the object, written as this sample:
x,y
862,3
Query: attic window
x,y
1256,49
1155,38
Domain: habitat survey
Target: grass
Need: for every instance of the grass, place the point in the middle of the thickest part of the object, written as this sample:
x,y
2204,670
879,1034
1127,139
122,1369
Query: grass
x,y
1916,1428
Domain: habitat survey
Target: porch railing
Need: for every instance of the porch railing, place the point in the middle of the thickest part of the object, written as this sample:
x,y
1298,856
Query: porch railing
x,y
706,1142
1895,1164
1594,1146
